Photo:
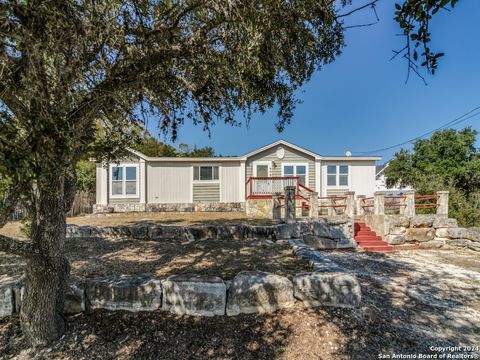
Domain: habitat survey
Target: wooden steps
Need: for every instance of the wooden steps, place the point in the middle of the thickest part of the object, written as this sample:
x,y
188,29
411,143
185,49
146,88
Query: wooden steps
x,y
368,239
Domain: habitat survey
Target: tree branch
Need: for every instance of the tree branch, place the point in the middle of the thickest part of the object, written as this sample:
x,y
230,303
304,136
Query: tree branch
x,y
372,4
16,247
360,25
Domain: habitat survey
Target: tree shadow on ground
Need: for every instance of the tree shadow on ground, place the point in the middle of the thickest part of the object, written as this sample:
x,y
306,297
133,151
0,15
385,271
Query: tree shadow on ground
x,y
158,335
410,302
223,258
409,306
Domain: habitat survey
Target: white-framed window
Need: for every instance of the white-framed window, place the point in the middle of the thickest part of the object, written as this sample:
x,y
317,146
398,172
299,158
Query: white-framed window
x,y
262,168
206,173
300,170
337,175
124,180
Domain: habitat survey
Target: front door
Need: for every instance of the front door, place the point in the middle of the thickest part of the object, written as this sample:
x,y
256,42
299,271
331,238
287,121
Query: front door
x,y
262,170
262,186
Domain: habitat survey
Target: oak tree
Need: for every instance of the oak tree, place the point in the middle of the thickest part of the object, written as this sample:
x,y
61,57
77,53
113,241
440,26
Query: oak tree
x,y
78,76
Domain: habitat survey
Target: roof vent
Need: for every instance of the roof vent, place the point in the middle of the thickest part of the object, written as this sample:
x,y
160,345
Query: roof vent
x,y
348,153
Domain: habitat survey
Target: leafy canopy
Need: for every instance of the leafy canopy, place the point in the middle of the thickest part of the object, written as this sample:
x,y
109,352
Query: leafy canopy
x,y
80,76
448,160
152,147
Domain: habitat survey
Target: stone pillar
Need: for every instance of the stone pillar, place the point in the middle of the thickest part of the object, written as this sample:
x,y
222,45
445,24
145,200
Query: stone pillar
x,y
313,211
360,203
442,201
350,203
276,206
409,210
379,203
290,206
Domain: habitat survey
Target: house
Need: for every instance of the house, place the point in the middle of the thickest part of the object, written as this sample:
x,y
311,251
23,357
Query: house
x,y
142,183
381,182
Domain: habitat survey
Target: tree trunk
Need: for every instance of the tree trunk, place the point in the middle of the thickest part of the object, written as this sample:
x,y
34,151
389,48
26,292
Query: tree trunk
x,y
46,272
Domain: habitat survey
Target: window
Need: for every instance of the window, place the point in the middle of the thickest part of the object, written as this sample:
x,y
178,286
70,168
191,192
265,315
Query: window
x,y
130,180
343,175
337,175
331,175
302,173
205,173
124,180
117,180
296,170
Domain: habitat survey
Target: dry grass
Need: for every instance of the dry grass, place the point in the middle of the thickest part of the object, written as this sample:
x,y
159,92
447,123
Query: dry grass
x,y
410,301
13,229
224,258
167,218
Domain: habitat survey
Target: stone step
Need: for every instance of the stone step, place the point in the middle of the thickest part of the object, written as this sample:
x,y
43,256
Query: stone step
x,y
383,249
377,247
372,243
360,238
365,233
369,240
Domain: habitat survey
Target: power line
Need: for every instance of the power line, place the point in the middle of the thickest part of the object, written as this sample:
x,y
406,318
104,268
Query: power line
x,y
453,122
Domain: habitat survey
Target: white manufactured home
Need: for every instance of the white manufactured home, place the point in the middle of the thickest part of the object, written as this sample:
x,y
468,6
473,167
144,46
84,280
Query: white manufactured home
x,y
143,183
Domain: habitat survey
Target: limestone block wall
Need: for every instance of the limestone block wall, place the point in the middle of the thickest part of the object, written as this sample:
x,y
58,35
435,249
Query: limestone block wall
x,y
426,231
171,207
260,208
324,233
249,292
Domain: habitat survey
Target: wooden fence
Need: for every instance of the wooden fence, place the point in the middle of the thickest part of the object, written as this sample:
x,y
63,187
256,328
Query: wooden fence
x,y
82,204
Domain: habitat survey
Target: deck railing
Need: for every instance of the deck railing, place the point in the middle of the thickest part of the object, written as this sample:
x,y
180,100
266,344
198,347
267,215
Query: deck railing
x,y
332,205
395,204
260,186
425,201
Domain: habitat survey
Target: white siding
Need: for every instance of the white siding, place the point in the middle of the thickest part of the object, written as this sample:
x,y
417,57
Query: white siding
x,y
169,182
361,177
102,185
230,186
206,192
292,156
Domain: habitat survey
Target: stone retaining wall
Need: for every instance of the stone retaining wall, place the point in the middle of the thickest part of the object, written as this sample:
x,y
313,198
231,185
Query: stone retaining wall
x,y
324,233
425,231
249,292
171,207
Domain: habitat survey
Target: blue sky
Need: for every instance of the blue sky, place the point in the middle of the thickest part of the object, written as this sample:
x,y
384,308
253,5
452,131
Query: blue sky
x,y
361,102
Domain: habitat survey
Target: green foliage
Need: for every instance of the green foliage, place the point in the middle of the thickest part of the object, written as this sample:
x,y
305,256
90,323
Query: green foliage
x,y
205,151
414,18
88,76
446,161
187,151
152,147
86,176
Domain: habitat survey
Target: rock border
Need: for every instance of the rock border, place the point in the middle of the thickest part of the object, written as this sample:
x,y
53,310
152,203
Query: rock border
x,y
324,233
249,292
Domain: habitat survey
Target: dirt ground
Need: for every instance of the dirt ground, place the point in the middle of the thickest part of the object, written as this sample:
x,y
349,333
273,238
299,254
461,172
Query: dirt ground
x,y
167,218
13,229
412,300
224,258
